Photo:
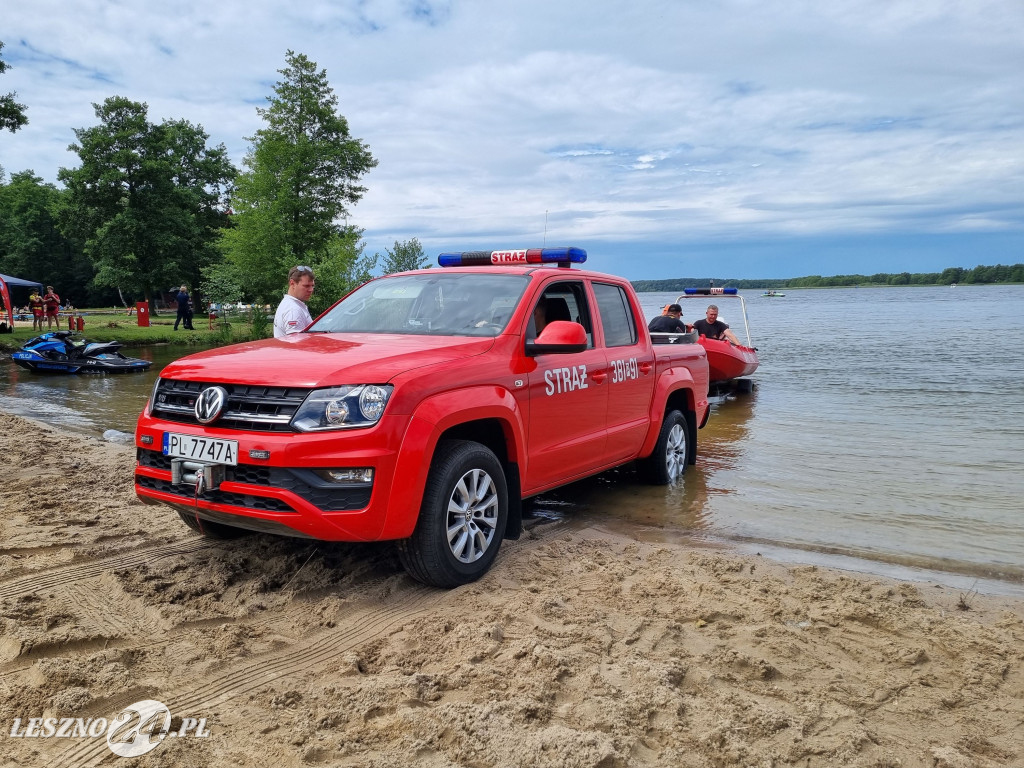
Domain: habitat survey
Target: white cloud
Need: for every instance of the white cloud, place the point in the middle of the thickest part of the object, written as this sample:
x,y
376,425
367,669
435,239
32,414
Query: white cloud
x,y
652,122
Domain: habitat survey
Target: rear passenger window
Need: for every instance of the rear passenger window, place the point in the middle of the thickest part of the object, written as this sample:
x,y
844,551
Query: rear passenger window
x,y
616,317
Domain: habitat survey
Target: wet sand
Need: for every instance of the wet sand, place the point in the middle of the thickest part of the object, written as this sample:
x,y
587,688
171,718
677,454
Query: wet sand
x,y
582,647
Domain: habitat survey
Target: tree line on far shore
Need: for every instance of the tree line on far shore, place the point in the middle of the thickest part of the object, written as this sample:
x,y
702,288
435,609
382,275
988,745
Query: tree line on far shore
x,y
980,275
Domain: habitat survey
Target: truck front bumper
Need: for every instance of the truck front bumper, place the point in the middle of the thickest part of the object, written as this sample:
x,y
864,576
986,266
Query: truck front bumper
x,y
281,493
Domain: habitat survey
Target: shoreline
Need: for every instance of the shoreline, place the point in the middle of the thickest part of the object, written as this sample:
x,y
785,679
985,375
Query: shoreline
x,y
784,555
581,647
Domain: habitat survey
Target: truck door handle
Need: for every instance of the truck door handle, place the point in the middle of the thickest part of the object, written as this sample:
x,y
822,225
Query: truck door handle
x,y
646,366
599,376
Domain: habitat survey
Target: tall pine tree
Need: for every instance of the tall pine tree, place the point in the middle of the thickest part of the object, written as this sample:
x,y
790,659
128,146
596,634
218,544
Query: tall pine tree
x,y
303,171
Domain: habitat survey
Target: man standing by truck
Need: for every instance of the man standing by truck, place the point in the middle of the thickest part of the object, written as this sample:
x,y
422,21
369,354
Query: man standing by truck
x,y
292,313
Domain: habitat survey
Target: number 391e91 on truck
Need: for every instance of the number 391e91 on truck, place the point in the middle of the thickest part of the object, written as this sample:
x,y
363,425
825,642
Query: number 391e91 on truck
x,y
424,407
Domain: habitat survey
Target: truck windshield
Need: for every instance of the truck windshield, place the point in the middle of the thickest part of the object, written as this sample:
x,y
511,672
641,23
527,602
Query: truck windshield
x,y
429,304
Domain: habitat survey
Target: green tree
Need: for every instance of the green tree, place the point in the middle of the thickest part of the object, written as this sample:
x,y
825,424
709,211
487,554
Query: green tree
x,y
31,245
148,200
404,257
12,114
343,269
302,173
222,283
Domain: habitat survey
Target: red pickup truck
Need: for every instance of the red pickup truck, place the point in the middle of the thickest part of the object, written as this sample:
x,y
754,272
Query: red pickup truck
x,y
424,407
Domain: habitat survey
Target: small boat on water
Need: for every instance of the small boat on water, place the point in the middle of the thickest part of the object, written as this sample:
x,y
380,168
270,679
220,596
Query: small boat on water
x,y
726,361
772,294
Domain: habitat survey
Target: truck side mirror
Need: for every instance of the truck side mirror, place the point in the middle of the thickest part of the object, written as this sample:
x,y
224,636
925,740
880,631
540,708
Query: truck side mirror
x,y
559,337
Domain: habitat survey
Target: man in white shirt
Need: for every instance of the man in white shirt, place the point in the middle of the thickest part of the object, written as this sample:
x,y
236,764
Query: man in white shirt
x,y
292,313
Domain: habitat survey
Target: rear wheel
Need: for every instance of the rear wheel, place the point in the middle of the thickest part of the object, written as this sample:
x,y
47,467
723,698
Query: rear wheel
x,y
462,518
671,454
210,529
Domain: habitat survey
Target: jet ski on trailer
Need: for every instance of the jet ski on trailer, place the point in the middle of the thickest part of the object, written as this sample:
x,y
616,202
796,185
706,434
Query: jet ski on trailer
x,y
59,352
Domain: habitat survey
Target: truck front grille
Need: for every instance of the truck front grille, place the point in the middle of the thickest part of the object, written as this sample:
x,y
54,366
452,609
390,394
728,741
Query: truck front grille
x,y
249,408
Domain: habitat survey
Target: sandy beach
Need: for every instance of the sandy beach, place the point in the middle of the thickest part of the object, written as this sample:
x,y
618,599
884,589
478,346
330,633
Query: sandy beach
x,y
583,647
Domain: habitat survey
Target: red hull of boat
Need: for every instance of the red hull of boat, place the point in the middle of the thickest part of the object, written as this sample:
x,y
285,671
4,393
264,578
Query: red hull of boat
x,y
728,361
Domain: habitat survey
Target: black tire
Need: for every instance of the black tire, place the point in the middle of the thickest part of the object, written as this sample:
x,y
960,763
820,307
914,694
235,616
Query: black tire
x,y
211,529
671,455
462,518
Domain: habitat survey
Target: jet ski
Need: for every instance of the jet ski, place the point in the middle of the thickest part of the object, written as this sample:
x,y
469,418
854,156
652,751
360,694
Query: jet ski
x,y
60,352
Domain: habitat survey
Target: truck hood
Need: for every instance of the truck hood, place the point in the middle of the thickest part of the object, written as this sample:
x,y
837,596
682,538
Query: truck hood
x,y
323,360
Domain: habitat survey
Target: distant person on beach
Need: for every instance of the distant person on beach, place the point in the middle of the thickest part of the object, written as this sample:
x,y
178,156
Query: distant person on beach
x,y
292,313
184,309
670,321
713,328
35,306
51,305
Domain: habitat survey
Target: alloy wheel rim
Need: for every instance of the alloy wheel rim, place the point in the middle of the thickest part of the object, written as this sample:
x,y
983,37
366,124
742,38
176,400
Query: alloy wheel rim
x,y
472,516
675,452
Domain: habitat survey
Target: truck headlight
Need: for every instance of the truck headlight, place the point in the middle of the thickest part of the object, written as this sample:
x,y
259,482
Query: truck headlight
x,y
356,405
151,403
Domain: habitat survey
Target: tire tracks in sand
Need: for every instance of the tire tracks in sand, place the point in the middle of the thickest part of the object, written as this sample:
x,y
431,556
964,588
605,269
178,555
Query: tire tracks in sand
x,y
362,624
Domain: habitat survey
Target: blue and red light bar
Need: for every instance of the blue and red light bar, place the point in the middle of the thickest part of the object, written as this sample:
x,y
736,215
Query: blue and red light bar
x,y
561,256
710,291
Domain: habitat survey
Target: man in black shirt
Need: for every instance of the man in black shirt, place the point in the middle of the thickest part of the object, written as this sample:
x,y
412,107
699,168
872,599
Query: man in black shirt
x,y
713,328
669,322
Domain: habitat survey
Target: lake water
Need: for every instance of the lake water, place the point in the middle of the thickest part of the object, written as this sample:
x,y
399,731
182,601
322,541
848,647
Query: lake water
x,y
885,434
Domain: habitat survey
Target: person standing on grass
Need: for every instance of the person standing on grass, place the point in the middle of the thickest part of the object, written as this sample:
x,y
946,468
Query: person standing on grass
x,y
35,306
51,303
184,309
292,313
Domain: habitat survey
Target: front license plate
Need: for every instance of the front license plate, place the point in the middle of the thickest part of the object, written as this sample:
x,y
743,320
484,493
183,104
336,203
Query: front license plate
x,y
209,449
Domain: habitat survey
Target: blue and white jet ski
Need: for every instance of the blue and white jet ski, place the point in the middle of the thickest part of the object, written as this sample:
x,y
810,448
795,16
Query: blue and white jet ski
x,y
58,352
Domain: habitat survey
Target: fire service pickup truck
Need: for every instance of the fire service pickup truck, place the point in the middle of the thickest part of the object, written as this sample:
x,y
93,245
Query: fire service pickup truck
x,y
423,407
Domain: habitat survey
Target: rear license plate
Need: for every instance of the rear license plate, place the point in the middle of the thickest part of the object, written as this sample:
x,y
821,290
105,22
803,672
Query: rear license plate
x,y
208,449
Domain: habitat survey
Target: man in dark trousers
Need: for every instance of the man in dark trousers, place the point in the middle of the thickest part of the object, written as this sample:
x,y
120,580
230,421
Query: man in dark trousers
x,y
184,310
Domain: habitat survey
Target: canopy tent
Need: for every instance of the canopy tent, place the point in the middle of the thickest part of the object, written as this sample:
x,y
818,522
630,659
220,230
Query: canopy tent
x,y
5,293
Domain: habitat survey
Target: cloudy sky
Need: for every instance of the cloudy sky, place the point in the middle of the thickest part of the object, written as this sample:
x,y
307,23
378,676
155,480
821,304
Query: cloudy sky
x,y
740,138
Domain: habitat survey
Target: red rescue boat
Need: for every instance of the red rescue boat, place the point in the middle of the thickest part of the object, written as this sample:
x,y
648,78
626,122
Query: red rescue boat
x,y
726,361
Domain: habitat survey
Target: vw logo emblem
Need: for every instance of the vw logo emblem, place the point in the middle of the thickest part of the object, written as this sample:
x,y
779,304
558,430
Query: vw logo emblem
x,y
210,403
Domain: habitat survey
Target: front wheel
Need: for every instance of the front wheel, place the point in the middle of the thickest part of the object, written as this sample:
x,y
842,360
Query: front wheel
x,y
462,517
671,454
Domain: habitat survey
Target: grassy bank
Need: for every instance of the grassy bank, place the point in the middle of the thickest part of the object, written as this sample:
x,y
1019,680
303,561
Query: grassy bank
x,y
111,326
